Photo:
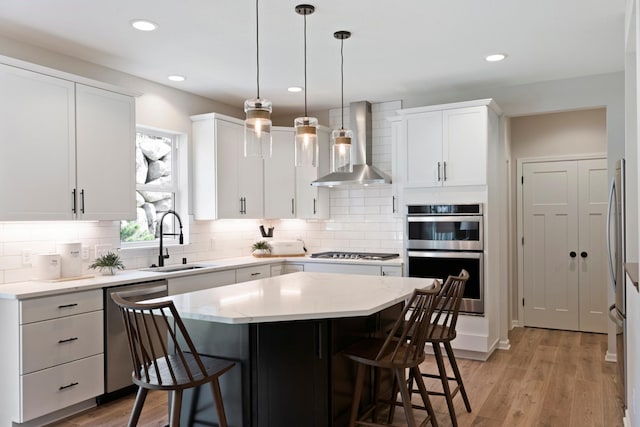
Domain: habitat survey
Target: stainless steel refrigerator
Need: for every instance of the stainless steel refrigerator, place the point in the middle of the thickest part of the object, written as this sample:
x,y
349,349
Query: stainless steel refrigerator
x,y
616,250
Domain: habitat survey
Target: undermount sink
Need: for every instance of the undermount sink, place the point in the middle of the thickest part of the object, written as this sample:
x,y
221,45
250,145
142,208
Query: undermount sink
x,y
173,268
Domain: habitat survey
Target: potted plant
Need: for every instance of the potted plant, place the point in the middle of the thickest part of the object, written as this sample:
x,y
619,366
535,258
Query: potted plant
x,y
108,264
261,248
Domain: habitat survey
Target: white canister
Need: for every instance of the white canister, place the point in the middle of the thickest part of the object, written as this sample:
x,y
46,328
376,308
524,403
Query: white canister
x,y
70,259
47,266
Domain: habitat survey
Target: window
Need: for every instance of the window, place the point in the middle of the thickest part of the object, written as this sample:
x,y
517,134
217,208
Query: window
x,y
157,188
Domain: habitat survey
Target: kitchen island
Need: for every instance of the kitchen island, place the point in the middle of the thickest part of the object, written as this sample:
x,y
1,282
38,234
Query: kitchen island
x,y
286,334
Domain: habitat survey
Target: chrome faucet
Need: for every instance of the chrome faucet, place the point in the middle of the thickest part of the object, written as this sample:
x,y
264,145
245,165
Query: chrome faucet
x,y
162,256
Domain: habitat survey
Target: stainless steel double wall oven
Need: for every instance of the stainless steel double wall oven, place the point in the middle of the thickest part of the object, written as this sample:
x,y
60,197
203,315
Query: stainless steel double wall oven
x,y
443,239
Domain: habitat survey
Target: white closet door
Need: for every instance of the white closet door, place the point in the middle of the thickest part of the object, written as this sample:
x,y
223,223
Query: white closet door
x,y
592,212
551,259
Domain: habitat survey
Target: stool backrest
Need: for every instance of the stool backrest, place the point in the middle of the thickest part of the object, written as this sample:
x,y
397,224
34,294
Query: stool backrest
x,y
406,340
152,330
446,313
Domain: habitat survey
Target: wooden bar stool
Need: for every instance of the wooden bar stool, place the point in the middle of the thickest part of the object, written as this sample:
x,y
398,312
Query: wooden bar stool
x,y
148,327
397,353
443,331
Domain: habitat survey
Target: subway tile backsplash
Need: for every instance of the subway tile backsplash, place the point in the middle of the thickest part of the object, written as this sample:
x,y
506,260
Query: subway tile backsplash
x,y
361,220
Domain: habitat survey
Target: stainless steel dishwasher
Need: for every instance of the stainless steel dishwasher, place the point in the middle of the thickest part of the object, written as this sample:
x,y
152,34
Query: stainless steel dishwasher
x,y
117,358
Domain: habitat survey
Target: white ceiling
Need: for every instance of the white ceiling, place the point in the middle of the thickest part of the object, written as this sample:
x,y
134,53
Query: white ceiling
x,y
399,48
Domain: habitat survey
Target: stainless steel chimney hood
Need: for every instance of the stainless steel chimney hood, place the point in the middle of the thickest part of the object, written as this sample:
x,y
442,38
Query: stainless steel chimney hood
x,y
361,148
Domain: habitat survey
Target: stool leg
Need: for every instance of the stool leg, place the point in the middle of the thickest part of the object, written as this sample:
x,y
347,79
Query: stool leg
x,y
456,372
176,404
437,351
424,394
357,393
406,400
217,398
137,406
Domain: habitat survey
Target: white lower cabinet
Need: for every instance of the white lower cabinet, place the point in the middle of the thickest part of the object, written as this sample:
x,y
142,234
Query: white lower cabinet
x,y
292,268
253,273
371,270
53,355
198,282
392,270
55,388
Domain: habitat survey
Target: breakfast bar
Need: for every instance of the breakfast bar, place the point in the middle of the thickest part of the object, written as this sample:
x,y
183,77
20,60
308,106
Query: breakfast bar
x,y
285,334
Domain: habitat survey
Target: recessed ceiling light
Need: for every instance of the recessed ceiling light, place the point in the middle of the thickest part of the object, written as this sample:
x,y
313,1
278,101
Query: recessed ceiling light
x,y
495,57
176,78
143,25
295,89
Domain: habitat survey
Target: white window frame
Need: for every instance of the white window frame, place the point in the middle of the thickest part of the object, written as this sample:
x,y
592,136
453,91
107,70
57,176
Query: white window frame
x,y
179,187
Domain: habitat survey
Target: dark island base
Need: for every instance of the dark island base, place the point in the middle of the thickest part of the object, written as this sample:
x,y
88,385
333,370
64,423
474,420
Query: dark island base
x,y
286,373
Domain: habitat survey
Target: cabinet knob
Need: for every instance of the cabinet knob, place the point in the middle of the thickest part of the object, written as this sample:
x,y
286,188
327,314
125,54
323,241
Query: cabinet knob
x,y
572,254
583,254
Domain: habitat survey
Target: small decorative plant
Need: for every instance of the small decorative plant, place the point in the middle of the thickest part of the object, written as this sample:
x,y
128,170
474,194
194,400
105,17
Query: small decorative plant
x,y
261,248
108,263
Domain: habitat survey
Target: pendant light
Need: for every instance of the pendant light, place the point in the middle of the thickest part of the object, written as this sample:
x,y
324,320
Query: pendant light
x,y
306,127
341,138
257,125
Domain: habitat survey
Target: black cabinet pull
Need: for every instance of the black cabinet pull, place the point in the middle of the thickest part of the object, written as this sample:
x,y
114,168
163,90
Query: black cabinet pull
x,y
68,305
314,205
572,254
82,198
62,387
67,340
444,168
438,171
583,254
73,201
393,204
256,274
292,206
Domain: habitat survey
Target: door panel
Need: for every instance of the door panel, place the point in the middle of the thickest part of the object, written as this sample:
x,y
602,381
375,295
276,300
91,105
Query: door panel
x,y
551,233
593,193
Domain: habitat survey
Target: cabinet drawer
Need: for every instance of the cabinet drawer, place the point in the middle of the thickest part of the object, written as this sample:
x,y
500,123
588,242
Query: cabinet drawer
x,y
55,388
34,310
371,270
198,282
252,273
53,342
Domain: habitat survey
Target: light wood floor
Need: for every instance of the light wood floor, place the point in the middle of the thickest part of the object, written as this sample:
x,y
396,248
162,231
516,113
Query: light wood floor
x,y
548,378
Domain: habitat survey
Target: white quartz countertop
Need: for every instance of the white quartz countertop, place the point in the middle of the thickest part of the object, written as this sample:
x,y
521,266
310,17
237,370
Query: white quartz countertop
x,y
296,296
34,288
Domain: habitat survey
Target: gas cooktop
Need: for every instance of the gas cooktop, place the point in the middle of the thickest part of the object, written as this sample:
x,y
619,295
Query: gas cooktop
x,y
355,255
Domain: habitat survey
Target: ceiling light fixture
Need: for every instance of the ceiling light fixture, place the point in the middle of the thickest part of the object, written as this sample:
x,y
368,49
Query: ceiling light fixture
x,y
176,78
341,138
257,124
143,25
495,57
306,127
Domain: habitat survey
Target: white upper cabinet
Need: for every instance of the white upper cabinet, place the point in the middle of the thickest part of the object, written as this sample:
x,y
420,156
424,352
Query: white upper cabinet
x,y
105,147
53,128
313,202
226,184
280,175
444,145
37,162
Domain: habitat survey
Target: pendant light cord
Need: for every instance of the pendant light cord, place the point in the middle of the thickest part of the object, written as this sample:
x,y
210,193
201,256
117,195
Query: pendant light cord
x,y
257,53
305,66
342,81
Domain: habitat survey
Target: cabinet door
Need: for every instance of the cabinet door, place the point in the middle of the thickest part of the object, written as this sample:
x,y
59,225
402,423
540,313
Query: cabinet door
x,y
105,130
37,161
252,273
370,270
198,282
250,182
465,146
228,143
392,270
398,147
280,176
423,155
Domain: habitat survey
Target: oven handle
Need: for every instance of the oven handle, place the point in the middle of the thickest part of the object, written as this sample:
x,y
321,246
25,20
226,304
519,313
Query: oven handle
x,y
444,254
429,218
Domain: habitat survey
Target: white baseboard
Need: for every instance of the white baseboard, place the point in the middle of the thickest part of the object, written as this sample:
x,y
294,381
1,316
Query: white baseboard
x,y
610,357
504,345
625,421
515,324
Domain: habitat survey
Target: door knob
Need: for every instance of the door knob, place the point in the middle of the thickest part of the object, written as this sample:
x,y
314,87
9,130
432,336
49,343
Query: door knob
x,y
572,254
583,254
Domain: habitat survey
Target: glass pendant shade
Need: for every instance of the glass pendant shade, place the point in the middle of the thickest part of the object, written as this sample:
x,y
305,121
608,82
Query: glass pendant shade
x,y
341,151
306,141
257,128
